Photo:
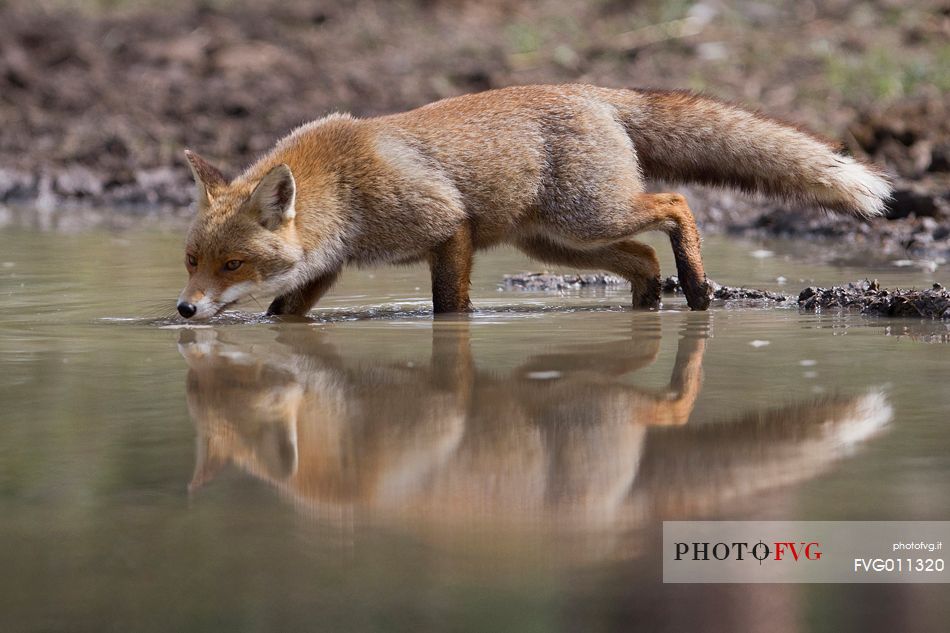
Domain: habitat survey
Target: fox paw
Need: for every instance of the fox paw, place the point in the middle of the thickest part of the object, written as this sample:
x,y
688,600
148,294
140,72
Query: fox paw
x,y
287,306
277,307
646,296
698,292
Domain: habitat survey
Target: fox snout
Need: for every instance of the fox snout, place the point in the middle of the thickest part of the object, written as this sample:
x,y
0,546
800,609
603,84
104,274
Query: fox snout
x,y
202,298
198,306
186,309
195,303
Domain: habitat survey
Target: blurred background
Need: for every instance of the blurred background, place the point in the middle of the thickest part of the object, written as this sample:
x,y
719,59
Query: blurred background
x,y
98,98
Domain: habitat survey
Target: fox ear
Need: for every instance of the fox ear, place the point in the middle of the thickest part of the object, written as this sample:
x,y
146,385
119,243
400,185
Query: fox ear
x,y
274,198
208,178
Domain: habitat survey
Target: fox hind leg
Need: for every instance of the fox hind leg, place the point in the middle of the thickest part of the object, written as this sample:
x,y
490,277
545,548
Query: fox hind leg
x,y
617,222
632,260
678,222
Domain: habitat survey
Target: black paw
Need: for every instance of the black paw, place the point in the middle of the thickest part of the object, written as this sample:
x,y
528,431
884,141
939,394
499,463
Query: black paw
x,y
697,291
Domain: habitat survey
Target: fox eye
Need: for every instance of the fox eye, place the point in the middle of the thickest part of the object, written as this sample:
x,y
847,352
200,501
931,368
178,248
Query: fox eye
x,y
192,260
233,264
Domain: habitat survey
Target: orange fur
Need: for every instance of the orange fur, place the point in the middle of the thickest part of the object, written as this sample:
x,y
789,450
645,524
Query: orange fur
x,y
554,170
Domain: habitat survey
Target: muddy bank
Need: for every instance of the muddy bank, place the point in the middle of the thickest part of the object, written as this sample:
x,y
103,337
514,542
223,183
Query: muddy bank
x,y
548,282
98,104
866,297
869,298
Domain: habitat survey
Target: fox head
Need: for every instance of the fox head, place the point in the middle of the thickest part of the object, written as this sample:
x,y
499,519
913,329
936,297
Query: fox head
x,y
242,240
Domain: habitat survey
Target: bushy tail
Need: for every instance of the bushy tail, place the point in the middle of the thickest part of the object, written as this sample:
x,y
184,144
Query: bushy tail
x,y
682,137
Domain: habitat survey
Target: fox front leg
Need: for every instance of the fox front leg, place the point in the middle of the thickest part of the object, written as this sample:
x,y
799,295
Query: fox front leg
x,y
451,265
298,302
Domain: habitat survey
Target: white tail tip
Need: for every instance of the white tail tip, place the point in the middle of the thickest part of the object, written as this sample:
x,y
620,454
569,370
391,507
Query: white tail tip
x,y
864,191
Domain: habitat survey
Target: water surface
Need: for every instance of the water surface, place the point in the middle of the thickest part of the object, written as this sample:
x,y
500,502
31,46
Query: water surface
x,y
378,469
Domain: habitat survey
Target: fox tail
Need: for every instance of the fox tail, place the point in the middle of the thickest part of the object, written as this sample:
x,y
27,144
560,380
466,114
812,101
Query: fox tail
x,y
682,137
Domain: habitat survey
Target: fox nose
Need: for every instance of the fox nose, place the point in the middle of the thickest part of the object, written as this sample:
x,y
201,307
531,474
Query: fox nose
x,y
187,310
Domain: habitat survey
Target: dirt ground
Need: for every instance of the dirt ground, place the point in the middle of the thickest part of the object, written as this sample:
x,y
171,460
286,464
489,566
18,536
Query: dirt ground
x,y
98,102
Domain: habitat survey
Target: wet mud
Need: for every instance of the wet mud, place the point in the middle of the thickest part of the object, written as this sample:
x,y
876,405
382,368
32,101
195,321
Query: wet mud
x,y
869,298
547,282
866,297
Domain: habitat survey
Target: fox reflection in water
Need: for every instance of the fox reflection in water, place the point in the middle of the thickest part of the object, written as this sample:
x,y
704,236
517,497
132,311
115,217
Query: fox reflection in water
x,y
564,435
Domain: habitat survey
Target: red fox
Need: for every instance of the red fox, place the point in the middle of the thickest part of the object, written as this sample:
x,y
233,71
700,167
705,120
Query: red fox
x,y
556,171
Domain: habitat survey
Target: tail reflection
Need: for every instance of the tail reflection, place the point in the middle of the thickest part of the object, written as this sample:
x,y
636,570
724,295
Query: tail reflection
x,y
564,435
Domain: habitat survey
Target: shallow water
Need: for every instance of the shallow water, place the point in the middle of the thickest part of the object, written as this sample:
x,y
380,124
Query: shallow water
x,y
377,469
